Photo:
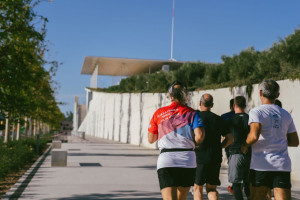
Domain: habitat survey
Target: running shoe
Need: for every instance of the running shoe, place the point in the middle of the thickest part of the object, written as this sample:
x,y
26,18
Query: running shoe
x,y
230,189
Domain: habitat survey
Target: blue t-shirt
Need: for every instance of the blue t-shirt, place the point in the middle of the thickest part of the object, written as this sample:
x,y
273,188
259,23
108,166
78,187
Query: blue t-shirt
x,y
228,115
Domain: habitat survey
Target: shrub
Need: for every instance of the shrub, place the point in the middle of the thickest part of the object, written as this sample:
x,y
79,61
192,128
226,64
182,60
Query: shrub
x,y
14,155
248,67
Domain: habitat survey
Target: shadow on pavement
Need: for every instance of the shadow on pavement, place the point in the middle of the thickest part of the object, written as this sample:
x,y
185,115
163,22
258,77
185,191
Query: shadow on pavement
x,y
295,195
125,149
27,180
108,154
145,167
124,195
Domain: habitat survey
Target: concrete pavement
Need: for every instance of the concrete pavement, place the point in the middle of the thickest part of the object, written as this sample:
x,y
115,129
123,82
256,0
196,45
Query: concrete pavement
x,y
98,169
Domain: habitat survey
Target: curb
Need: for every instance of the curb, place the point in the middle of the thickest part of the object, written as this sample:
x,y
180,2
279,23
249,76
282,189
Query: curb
x,y
17,189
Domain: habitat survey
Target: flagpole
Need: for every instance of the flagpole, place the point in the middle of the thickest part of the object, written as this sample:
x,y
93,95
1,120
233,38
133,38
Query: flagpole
x,y
172,59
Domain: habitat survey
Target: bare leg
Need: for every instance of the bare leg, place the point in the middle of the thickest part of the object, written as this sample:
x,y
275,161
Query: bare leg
x,y
259,193
212,192
182,192
198,192
169,193
282,194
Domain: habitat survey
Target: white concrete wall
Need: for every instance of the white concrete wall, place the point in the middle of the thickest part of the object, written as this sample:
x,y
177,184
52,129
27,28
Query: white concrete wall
x,y
125,117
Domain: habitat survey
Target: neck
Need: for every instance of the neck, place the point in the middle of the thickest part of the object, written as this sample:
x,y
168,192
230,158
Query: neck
x,y
203,108
239,110
178,102
265,100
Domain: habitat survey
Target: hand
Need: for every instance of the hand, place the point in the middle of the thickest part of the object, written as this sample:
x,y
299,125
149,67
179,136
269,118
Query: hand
x,y
244,148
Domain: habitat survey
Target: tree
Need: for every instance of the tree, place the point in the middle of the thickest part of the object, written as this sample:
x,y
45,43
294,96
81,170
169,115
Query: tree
x,y
189,73
69,116
242,65
25,85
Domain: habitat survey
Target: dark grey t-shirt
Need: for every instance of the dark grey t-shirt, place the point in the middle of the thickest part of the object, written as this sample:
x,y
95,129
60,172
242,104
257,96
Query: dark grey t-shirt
x,y
238,126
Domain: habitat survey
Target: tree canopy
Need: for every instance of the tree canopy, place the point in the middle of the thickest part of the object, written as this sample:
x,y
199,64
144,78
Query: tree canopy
x,y
26,87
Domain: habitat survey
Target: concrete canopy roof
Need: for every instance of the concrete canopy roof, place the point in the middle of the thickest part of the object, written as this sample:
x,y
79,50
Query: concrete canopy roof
x,y
123,66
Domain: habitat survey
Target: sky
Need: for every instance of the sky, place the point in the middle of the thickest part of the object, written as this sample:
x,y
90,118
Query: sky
x,y
203,31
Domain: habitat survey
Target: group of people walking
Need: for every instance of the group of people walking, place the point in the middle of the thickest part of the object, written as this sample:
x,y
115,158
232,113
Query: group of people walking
x,y
191,141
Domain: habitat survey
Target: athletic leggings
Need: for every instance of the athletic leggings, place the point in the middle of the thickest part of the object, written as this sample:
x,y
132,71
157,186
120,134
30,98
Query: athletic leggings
x,y
237,191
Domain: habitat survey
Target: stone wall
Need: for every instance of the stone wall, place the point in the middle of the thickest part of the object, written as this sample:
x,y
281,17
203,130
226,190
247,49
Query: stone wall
x,y
125,117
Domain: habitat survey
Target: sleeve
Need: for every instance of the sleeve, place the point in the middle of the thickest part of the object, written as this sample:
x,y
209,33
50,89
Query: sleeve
x,y
198,122
153,128
254,117
292,127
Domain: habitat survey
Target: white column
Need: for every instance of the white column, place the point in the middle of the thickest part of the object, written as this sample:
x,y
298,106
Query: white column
x,y
89,97
75,114
94,78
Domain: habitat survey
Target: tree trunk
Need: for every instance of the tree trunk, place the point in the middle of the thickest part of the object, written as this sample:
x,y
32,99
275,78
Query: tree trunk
x,y
13,132
30,127
25,127
34,127
38,123
18,130
6,128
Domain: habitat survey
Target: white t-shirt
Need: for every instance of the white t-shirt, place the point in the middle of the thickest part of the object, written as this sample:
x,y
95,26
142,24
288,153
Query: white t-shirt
x,y
270,152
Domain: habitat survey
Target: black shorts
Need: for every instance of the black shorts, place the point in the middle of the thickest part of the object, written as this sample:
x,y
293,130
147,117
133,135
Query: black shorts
x,y
271,179
175,177
208,173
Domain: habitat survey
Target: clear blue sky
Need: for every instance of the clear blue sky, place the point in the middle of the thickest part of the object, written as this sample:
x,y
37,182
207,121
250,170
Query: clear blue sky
x,y
204,31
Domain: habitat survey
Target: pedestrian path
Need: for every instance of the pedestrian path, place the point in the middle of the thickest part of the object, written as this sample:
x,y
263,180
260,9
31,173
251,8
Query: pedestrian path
x,y
98,169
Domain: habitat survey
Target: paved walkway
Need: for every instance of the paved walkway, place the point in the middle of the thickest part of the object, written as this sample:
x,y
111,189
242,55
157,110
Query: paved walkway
x,y
125,172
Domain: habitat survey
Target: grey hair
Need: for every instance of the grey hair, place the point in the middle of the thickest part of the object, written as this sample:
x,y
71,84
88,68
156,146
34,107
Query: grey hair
x,y
270,89
207,102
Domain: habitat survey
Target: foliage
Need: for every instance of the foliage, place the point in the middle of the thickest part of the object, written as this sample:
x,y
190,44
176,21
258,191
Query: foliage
x,y
14,155
69,116
248,67
26,87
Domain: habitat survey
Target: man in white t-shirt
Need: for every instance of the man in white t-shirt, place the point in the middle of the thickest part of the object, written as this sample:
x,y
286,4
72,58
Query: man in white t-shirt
x,y
272,130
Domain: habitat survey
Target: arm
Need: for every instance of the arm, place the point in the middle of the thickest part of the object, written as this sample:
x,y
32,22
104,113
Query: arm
x,y
152,137
199,135
293,139
253,136
228,139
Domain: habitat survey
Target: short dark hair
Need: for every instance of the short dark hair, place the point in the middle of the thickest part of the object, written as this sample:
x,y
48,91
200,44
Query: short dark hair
x,y
278,103
231,103
270,89
240,101
207,102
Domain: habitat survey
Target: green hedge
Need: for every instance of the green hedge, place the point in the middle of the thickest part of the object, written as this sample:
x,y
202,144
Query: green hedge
x,y
281,61
14,155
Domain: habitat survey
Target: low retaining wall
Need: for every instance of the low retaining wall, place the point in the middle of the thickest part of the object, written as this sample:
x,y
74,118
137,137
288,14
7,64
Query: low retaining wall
x,y
125,117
